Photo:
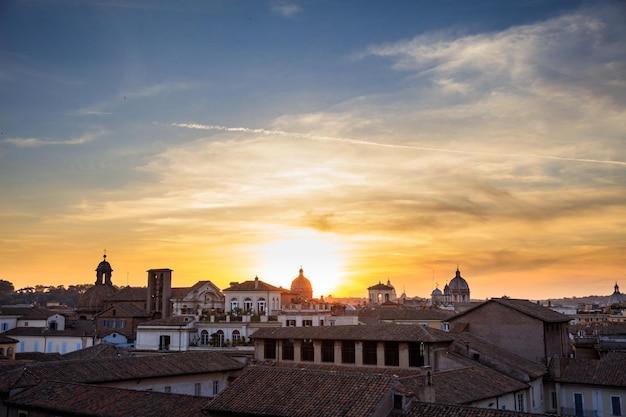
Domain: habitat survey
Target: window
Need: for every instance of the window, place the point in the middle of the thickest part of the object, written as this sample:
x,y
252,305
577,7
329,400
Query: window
x,y
105,323
216,387
220,338
168,389
288,354
307,323
291,323
5,327
204,337
416,354
307,353
269,348
247,305
578,405
164,343
197,389
236,336
22,413
398,401
261,305
520,402
616,406
121,324
392,354
347,351
369,353
52,325
328,351
10,352
234,305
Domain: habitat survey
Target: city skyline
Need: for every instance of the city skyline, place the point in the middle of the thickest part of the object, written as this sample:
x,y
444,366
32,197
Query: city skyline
x,y
361,141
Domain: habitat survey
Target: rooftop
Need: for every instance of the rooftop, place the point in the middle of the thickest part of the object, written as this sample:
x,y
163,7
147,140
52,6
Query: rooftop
x,y
65,398
303,392
119,368
379,332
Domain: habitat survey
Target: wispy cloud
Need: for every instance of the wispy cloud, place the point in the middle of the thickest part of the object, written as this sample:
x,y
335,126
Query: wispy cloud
x,y
38,142
286,9
387,145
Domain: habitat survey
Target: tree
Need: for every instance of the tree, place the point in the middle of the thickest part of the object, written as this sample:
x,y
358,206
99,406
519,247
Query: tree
x,y
6,287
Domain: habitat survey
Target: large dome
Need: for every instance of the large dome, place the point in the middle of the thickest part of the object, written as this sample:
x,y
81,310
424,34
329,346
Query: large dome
x,y
93,300
458,282
302,287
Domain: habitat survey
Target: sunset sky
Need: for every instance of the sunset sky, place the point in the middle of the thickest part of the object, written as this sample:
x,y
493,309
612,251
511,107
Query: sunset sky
x,y
365,141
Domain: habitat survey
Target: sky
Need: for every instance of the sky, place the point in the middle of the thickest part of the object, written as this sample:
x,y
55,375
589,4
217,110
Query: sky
x,y
363,141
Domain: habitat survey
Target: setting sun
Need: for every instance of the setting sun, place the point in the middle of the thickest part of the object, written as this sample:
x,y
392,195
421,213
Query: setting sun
x,y
319,255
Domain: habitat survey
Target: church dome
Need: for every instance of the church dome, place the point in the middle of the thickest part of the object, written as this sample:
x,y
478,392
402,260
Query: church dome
x,y
436,291
617,297
302,287
458,282
93,300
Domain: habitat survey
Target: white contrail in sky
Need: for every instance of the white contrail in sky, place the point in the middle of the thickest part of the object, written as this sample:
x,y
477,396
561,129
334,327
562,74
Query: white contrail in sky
x,y
384,145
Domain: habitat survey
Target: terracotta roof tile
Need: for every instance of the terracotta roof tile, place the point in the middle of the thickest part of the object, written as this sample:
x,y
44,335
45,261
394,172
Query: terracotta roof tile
x,y
130,294
525,307
608,371
421,409
252,285
277,391
472,382
119,369
92,400
379,332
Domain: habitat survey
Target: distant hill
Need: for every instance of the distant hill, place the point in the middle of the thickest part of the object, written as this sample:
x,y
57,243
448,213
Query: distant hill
x,y
601,300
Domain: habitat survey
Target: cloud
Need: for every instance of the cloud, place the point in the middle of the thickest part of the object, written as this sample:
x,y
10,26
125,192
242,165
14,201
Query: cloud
x,y
286,9
37,142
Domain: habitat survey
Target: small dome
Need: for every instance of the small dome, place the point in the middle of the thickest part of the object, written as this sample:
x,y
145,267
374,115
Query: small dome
x,y
617,297
104,266
302,287
436,291
458,282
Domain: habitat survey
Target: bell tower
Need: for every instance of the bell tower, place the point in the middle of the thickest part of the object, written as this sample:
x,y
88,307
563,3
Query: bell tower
x,y
159,292
104,272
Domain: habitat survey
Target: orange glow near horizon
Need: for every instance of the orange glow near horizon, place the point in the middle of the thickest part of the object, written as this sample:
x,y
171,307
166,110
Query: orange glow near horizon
x,y
319,255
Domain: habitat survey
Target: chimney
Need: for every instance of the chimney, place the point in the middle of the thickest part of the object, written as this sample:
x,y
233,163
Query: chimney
x,y
256,282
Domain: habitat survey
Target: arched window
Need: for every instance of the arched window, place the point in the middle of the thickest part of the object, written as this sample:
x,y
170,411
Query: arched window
x,y
10,352
236,336
234,305
220,338
247,305
261,305
204,337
